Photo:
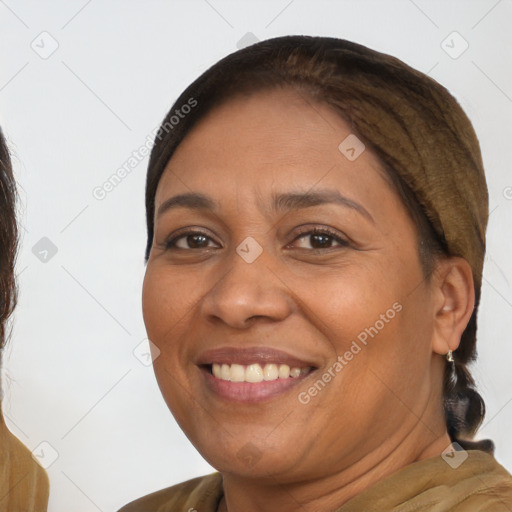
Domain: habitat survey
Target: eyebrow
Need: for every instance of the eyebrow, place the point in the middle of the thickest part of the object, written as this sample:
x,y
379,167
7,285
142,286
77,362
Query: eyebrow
x,y
280,203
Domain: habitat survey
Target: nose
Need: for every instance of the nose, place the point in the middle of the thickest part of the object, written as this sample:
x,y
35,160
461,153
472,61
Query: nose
x,y
248,291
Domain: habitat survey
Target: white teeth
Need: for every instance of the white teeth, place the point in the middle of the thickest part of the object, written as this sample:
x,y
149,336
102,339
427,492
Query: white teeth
x,y
225,372
284,371
270,372
255,373
294,372
237,373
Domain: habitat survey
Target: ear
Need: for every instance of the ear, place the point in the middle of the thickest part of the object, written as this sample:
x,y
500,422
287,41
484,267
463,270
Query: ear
x,y
454,301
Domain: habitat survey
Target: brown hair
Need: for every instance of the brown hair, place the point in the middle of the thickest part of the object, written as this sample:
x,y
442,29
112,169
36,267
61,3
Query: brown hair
x,y
8,240
379,97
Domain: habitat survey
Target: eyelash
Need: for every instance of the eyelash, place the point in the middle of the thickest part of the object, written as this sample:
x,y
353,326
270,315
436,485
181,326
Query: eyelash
x,y
171,244
323,231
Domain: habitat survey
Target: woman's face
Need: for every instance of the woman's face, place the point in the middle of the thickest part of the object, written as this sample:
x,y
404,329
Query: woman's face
x,y
237,284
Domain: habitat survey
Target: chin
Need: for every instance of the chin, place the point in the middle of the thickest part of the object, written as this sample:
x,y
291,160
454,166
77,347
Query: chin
x,y
246,456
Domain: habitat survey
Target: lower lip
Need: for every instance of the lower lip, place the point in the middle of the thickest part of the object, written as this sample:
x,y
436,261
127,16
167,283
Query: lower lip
x,y
250,392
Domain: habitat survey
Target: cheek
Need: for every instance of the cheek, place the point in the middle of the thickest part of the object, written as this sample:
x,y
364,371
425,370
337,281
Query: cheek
x,y
372,317
354,299
167,297
164,307
154,304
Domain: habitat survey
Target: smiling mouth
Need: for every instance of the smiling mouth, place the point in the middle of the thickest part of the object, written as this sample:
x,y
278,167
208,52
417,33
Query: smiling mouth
x,y
254,373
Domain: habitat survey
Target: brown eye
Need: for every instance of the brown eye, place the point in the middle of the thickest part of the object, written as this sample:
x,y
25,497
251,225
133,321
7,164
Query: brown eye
x,y
321,238
189,240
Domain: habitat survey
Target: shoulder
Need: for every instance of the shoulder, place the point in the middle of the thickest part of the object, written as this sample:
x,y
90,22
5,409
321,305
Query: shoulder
x,y
199,494
469,481
488,486
24,484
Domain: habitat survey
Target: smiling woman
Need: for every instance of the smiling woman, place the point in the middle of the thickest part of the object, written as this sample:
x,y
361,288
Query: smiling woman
x,y
316,228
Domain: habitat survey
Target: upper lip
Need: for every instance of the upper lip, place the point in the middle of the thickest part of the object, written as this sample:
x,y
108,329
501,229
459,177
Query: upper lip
x,y
251,355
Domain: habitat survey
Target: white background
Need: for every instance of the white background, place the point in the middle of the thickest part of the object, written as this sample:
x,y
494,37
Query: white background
x,y
70,376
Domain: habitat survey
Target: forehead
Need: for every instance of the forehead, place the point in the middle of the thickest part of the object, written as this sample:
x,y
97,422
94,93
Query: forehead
x,y
277,137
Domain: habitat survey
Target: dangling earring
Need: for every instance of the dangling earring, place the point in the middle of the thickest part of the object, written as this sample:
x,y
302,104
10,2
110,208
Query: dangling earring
x,y
449,356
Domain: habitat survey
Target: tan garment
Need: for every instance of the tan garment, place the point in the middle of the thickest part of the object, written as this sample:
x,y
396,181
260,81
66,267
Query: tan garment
x,y
479,484
24,485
